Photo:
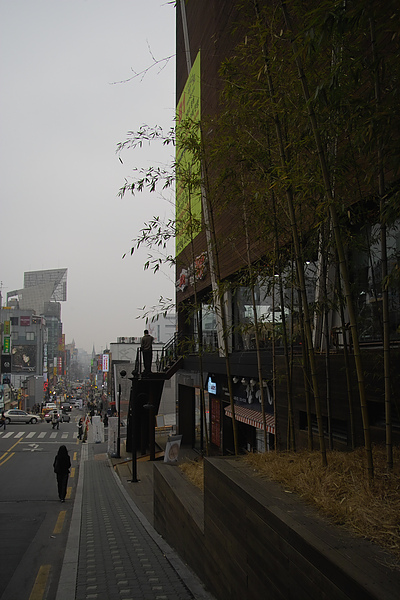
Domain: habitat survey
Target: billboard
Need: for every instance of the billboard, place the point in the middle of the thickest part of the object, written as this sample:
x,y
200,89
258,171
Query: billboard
x,y
188,167
23,359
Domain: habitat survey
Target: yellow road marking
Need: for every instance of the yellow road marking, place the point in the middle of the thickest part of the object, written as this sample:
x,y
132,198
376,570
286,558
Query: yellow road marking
x,y
39,586
69,491
6,459
13,446
75,453
72,472
60,522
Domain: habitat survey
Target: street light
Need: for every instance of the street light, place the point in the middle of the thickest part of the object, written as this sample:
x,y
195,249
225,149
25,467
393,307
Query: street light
x,y
134,420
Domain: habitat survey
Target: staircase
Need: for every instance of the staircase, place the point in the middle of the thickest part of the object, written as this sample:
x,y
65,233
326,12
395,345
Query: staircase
x,y
146,394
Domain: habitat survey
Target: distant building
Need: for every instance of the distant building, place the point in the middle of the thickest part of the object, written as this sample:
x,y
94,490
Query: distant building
x,y
28,336
36,340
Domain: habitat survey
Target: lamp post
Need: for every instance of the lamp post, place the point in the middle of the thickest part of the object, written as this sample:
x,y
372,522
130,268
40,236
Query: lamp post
x,y
149,406
118,453
134,417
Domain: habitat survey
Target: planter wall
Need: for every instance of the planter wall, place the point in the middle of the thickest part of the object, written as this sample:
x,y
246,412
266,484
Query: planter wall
x,y
251,540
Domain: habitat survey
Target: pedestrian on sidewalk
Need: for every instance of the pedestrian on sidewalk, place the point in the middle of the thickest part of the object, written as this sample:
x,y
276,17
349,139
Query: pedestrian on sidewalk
x,y
3,420
61,466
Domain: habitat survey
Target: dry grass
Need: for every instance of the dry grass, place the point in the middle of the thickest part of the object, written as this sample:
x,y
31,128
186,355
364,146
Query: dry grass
x,y
193,469
341,491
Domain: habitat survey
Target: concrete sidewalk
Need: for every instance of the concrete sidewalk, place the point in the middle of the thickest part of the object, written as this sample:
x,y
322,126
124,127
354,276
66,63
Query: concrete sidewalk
x,y
112,549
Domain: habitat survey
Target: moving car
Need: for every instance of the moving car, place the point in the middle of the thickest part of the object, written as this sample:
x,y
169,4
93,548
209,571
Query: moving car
x,y
63,417
50,406
15,415
47,415
66,406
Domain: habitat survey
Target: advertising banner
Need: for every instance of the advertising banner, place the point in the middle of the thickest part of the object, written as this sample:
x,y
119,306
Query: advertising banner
x,y
188,167
106,362
23,359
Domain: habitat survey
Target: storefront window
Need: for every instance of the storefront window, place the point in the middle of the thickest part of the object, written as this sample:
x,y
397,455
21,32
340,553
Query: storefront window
x,y
268,317
367,275
208,327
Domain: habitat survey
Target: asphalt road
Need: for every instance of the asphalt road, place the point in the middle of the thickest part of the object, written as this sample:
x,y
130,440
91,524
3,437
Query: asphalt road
x,y
34,523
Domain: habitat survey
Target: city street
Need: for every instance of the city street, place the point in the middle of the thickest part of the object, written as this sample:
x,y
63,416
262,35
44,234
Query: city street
x,y
34,522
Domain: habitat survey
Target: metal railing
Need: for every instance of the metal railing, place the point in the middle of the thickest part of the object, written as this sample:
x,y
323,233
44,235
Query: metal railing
x,y
163,359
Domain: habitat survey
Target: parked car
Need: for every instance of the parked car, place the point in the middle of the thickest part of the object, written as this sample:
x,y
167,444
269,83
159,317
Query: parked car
x,y
15,415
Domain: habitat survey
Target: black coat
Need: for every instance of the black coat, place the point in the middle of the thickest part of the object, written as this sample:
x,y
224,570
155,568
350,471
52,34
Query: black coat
x,y
62,464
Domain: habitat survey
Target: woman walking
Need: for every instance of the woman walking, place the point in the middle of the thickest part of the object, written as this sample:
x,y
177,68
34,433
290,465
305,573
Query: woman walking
x,y
62,465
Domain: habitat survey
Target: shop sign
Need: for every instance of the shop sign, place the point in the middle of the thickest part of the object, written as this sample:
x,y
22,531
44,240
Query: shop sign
x,y
7,327
6,345
6,363
25,321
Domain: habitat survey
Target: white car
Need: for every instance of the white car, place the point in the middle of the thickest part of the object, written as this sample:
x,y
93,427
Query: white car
x,y
50,406
15,415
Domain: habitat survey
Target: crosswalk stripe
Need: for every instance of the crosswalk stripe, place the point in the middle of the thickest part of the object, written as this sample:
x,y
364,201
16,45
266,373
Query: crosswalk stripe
x,y
41,435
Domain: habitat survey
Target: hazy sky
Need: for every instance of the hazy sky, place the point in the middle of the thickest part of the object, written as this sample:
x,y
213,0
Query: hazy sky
x,y
61,118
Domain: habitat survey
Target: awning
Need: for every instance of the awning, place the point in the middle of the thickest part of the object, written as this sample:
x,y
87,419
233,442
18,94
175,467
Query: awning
x,y
252,417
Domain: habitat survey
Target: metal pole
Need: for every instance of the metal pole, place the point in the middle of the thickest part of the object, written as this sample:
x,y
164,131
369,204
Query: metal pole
x,y
118,453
